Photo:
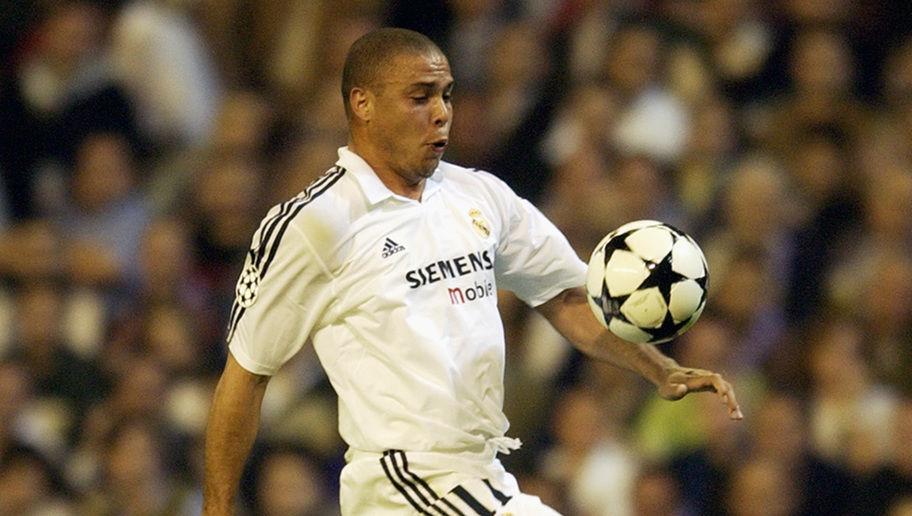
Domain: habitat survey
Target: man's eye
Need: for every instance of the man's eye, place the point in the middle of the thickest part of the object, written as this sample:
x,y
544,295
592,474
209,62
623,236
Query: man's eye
x,y
420,99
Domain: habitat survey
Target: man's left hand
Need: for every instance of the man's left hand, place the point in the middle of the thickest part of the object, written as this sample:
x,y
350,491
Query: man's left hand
x,y
680,381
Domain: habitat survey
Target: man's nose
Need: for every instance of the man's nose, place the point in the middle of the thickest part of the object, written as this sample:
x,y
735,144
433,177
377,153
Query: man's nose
x,y
441,111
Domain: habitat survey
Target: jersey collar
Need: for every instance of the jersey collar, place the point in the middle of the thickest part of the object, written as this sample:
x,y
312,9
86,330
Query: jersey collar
x,y
372,186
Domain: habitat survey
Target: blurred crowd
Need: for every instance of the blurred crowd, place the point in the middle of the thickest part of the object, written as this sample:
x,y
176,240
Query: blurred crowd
x,y
141,141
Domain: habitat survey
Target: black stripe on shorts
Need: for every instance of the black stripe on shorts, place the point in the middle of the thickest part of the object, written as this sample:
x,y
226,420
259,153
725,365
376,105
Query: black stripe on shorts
x,y
407,481
399,487
501,497
471,501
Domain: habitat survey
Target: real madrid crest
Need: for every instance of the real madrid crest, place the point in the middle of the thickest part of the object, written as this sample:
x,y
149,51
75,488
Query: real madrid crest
x,y
479,223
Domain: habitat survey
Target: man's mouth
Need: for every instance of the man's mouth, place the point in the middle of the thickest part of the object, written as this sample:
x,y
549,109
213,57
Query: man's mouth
x,y
439,145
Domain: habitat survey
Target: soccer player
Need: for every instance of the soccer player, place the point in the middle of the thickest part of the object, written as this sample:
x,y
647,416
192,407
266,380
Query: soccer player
x,y
389,264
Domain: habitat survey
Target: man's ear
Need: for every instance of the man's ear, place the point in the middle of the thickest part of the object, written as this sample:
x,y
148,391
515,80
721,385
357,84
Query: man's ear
x,y
362,103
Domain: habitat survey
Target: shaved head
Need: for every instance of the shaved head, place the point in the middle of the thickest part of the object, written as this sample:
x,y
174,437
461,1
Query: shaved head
x,y
373,53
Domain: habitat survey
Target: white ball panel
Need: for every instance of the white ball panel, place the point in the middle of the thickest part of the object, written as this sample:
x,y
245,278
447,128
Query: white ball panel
x,y
595,274
624,272
652,243
693,319
637,224
628,331
687,259
684,299
645,308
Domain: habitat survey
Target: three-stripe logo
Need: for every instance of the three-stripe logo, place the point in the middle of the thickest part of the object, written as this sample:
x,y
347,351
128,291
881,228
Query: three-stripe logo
x,y
390,247
475,497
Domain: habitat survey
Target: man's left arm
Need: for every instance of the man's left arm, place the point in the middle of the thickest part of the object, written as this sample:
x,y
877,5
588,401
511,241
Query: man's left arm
x,y
570,315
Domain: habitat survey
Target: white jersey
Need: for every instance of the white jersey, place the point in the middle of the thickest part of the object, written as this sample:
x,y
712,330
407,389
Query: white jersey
x,y
400,299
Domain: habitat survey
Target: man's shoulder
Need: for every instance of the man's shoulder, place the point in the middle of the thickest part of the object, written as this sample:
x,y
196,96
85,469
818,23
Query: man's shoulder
x,y
322,211
469,177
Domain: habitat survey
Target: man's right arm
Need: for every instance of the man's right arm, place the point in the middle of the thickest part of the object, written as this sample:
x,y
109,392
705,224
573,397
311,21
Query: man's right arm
x,y
230,432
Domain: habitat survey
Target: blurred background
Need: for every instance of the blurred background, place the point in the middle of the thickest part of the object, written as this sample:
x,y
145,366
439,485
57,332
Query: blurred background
x,y
142,141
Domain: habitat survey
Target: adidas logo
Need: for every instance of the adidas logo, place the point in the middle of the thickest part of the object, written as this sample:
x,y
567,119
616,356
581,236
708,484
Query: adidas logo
x,y
390,248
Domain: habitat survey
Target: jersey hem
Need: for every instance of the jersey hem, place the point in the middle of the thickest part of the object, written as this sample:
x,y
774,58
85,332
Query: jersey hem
x,y
249,364
553,292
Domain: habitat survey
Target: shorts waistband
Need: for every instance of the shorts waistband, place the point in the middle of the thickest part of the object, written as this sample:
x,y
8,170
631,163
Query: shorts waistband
x,y
482,455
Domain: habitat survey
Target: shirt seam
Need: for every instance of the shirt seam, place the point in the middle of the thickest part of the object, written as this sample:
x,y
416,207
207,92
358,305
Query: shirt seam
x,y
333,283
313,250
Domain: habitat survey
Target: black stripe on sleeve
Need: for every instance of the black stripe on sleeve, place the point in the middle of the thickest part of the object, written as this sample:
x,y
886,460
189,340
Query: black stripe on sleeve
x,y
270,225
235,319
502,498
294,207
236,309
297,209
471,501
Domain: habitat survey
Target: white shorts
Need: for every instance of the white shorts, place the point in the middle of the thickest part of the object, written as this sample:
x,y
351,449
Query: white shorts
x,y
398,483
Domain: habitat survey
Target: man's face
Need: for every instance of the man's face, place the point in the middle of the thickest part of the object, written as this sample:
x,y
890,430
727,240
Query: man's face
x,y
412,115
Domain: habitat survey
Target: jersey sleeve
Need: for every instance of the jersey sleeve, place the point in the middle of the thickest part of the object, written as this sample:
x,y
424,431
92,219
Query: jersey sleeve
x,y
280,296
534,259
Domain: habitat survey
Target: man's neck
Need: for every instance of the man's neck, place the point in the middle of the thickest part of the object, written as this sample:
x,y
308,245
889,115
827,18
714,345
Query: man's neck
x,y
392,180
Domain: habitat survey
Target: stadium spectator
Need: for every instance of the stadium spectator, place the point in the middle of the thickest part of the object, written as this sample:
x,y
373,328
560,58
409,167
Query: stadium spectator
x,y
57,372
136,478
62,90
29,484
652,121
106,215
159,57
590,458
846,401
891,486
781,435
656,493
761,488
288,482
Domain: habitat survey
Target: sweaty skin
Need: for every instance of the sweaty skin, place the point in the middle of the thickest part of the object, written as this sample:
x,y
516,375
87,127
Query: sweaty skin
x,y
401,128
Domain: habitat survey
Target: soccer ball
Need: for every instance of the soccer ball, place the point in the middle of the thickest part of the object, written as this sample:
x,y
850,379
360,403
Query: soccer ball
x,y
647,282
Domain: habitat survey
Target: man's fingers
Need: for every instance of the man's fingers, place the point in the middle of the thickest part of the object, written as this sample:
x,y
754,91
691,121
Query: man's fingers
x,y
712,382
734,410
727,395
